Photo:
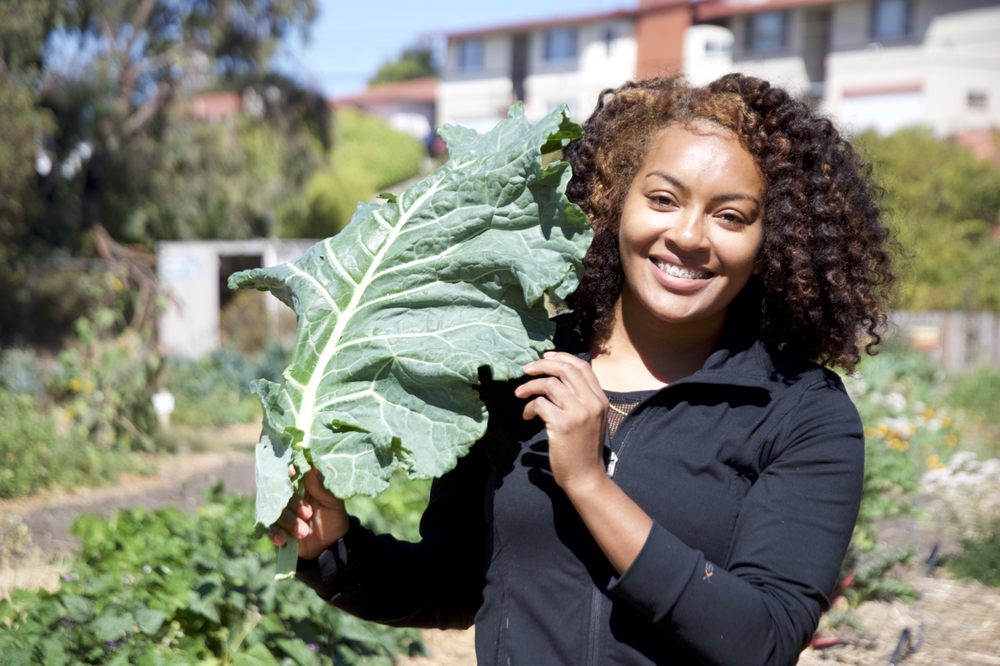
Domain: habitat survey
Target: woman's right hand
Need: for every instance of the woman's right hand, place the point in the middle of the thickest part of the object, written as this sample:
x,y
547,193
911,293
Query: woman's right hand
x,y
317,518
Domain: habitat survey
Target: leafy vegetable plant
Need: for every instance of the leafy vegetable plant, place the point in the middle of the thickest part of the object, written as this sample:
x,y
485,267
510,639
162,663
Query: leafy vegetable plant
x,y
398,313
178,587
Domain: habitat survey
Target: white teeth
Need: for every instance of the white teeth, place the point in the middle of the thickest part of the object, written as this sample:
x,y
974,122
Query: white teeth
x,y
682,272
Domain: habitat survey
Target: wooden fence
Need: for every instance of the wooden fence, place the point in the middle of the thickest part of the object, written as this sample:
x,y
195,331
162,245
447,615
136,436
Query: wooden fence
x,y
957,340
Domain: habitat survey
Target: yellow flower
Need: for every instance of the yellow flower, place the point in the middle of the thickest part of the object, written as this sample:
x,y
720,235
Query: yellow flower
x,y
928,414
950,441
898,444
116,284
74,384
934,462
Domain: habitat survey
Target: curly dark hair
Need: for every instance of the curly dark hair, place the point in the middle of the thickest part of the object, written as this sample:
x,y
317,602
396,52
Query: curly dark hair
x,y
825,263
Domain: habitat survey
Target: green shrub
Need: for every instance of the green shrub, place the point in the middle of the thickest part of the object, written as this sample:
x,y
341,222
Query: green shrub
x,y
368,156
978,393
215,390
37,451
21,371
170,587
365,143
331,196
105,384
908,430
74,419
979,557
945,218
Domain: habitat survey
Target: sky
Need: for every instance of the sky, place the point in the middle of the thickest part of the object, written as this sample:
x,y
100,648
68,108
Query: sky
x,y
350,40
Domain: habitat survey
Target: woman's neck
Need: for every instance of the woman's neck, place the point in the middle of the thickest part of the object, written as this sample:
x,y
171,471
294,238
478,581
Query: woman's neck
x,y
640,353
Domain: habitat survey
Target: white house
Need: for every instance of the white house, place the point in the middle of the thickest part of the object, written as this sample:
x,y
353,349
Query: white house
x,y
884,64
867,63
564,60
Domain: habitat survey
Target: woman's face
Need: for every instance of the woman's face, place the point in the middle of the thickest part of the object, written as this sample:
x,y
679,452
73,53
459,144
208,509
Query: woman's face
x,y
691,226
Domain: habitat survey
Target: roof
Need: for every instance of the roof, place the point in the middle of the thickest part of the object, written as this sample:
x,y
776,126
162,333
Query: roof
x,y
555,22
215,105
645,7
414,90
706,10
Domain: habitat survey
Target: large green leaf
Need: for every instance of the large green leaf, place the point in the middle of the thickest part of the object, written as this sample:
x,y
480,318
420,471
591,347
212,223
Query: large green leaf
x,y
399,311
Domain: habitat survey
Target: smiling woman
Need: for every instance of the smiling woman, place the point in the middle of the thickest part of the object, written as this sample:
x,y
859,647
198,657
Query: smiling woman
x,y
690,231
677,482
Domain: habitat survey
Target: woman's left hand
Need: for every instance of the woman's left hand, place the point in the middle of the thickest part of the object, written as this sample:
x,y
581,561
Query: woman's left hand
x,y
569,399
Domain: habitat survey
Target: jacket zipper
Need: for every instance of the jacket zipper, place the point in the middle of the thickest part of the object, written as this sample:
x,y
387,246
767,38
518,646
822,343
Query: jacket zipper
x,y
596,600
597,597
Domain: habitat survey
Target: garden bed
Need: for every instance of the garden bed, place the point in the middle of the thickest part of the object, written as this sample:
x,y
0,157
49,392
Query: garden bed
x,y
951,622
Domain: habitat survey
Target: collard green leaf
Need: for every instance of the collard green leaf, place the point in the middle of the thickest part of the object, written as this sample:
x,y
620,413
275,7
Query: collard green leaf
x,y
400,310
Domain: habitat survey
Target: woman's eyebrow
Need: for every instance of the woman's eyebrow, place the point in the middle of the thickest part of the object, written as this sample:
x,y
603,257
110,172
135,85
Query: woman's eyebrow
x,y
735,196
728,196
667,177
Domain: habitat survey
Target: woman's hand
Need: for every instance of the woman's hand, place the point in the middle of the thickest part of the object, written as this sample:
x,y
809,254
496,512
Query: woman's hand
x,y
569,399
317,519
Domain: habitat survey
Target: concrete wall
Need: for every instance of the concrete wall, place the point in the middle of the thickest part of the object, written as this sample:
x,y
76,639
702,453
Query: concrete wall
x,y
189,273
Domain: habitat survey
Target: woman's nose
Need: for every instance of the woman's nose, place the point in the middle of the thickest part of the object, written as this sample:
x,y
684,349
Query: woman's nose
x,y
689,232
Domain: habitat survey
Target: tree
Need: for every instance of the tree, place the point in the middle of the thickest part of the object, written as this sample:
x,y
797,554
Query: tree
x,y
109,72
944,205
98,151
414,63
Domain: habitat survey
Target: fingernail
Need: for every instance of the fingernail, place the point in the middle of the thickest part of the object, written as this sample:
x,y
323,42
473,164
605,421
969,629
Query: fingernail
x,y
548,354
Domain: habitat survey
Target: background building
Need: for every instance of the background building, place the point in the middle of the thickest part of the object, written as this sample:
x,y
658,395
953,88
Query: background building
x,y
868,63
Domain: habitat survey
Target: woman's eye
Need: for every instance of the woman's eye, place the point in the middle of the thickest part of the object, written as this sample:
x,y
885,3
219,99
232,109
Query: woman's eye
x,y
661,201
732,218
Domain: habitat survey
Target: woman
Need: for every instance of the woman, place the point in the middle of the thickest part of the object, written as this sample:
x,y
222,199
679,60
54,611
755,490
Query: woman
x,y
678,482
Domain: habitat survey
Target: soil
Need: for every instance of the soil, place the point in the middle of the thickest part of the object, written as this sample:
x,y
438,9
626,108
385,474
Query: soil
x,y
952,622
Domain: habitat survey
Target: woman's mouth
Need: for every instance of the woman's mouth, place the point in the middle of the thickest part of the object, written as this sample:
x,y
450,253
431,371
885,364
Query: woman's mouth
x,y
683,272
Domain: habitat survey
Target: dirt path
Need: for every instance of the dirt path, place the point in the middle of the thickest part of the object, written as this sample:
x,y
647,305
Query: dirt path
x,y
952,623
34,531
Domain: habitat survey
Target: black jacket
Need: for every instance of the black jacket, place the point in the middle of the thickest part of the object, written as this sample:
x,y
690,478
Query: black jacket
x,y
751,470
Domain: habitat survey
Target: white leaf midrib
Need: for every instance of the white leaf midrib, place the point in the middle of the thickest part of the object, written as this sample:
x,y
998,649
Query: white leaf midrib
x,y
308,402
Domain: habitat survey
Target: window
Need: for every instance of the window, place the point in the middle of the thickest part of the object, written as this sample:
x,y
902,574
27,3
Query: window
x,y
717,48
977,99
767,31
890,19
608,37
560,44
470,55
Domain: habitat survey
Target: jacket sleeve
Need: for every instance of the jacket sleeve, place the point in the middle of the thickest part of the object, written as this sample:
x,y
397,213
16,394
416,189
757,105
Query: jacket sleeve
x,y
763,605
436,582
